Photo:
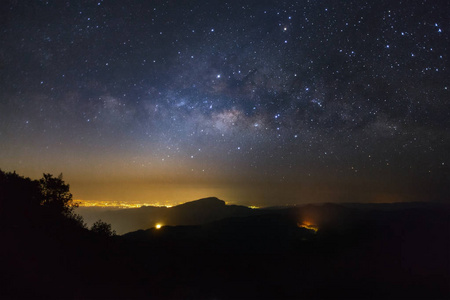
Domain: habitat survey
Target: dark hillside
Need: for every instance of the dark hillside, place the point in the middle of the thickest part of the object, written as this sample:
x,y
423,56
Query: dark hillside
x,y
312,252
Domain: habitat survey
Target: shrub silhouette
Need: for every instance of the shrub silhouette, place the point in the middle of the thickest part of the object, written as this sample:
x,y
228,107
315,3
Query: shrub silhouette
x,y
102,228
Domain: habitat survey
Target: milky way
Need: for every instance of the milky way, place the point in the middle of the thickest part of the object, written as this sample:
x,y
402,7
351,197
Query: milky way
x,y
347,97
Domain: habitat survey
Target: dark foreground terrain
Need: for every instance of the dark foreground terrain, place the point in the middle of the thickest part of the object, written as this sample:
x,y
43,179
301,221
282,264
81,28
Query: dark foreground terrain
x,y
397,251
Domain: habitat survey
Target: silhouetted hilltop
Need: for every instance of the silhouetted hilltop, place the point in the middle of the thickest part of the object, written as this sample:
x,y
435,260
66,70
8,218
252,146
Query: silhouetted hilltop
x,y
204,211
209,202
207,210
196,212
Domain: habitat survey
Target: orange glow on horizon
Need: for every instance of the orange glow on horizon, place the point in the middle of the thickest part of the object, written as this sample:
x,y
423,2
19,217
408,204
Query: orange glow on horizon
x,y
158,226
308,225
123,204
118,204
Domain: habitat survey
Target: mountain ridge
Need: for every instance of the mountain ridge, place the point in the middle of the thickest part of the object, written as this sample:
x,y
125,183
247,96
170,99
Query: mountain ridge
x,y
210,209
196,212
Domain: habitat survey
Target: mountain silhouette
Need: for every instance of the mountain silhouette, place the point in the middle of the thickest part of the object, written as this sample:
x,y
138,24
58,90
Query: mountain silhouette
x,y
327,251
358,252
196,212
209,202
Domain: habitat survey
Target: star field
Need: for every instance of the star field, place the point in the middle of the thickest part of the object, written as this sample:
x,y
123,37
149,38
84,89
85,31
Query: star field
x,y
278,101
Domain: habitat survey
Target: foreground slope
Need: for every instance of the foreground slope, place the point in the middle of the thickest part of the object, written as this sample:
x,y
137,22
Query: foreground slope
x,y
365,252
358,252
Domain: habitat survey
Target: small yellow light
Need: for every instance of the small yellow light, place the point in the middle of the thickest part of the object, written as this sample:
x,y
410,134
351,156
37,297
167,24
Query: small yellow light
x,y
158,226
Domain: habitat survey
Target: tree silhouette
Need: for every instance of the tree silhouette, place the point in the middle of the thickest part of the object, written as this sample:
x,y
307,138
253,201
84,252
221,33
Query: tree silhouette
x,y
24,201
56,194
102,228
57,199
19,196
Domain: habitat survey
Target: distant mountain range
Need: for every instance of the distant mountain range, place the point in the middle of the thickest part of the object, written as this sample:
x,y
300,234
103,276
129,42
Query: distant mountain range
x,y
359,251
197,212
212,209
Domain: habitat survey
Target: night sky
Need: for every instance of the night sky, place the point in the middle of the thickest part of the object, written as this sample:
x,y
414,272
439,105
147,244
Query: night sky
x,y
256,102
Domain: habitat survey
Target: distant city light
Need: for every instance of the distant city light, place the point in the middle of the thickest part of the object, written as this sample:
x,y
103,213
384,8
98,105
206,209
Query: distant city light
x,y
308,225
120,204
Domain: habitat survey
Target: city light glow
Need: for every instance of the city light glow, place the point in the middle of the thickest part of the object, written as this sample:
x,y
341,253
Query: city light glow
x,y
308,225
118,204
